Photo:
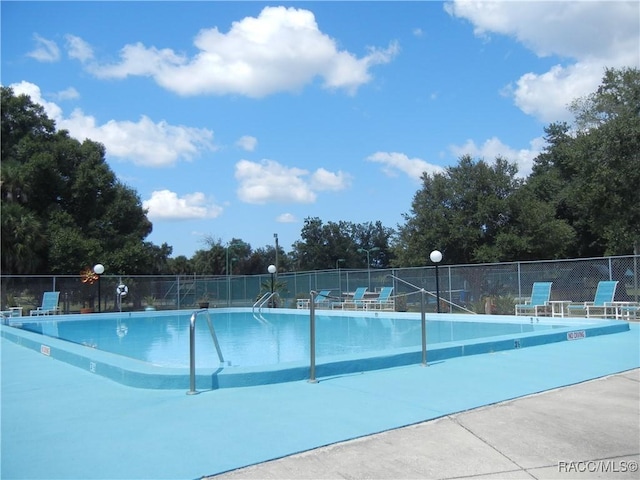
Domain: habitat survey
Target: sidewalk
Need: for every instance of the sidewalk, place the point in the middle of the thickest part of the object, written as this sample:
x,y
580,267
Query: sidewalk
x,y
591,430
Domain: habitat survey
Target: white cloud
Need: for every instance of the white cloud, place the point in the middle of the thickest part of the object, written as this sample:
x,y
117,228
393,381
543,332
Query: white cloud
x,y
247,143
593,35
269,182
45,51
546,96
280,50
569,29
166,205
145,143
286,218
394,162
325,180
493,148
67,94
79,49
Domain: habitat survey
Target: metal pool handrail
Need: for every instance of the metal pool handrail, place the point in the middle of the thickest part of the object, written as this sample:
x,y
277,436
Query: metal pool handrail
x,y
423,318
420,289
312,327
260,303
192,347
312,336
264,299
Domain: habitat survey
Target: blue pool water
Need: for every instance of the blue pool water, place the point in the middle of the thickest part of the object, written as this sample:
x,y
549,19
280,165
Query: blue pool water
x,y
276,338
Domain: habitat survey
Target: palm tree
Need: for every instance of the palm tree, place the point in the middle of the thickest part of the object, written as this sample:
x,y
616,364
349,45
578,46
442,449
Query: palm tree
x,y
22,240
278,288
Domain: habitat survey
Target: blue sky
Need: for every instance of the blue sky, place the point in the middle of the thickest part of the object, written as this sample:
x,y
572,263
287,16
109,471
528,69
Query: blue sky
x,y
241,119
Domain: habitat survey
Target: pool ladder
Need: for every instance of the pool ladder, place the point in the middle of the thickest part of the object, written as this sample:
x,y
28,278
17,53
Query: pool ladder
x,y
260,304
192,347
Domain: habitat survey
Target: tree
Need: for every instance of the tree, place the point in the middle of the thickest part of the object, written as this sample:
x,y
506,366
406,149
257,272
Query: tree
x,y
617,98
476,212
63,208
209,262
23,240
21,119
591,175
582,198
179,265
531,233
323,245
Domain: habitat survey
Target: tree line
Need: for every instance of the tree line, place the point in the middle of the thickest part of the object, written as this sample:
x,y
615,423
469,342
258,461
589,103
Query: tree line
x,y
62,205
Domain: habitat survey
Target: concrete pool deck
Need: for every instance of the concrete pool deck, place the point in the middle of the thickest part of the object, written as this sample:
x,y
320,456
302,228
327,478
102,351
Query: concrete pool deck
x,y
62,422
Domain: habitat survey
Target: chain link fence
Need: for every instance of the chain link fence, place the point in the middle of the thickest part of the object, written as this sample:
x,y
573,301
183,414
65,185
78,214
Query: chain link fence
x,y
485,288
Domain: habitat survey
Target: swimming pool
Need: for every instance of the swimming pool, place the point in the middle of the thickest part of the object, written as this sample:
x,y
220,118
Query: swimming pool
x,y
276,338
151,349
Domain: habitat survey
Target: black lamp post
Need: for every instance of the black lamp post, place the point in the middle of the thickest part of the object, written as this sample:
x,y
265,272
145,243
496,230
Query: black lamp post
x,y
272,270
98,269
275,236
436,257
